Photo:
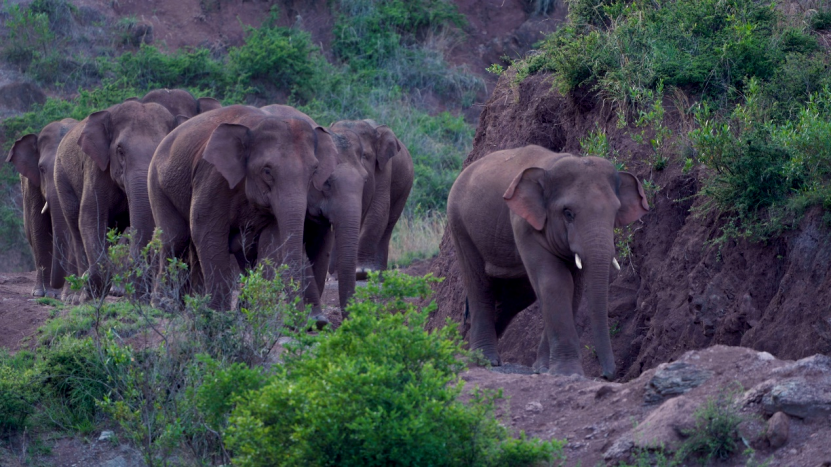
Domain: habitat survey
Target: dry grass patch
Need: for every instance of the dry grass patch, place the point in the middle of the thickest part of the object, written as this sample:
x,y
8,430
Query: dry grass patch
x,y
416,237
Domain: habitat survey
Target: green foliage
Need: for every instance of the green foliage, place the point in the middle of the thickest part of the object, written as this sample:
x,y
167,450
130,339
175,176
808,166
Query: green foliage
x,y
74,376
19,390
767,172
284,57
715,434
380,390
30,37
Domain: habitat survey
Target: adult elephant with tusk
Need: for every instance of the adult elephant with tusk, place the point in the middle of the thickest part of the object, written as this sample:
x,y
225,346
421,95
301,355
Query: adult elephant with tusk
x,y
530,224
231,178
33,156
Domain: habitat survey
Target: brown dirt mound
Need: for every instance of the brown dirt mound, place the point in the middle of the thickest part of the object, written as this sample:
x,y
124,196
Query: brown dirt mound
x,y
677,291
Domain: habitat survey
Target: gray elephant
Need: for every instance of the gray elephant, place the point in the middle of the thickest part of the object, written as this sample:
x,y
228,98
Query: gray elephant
x,y
531,224
390,168
233,174
33,156
101,179
180,102
333,214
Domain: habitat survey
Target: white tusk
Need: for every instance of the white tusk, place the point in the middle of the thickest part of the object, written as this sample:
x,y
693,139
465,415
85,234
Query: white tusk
x,y
45,207
578,262
615,264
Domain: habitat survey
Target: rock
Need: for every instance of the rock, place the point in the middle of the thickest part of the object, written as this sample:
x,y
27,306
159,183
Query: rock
x,y
604,391
672,380
106,435
799,397
533,407
620,449
21,96
779,426
666,426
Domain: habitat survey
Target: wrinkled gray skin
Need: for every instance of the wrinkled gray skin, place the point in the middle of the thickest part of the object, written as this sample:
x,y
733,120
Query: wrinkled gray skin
x,y
517,218
230,175
390,169
101,178
333,214
33,156
180,102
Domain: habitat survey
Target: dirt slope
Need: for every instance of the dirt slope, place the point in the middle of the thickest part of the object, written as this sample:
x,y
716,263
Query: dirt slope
x,y
677,291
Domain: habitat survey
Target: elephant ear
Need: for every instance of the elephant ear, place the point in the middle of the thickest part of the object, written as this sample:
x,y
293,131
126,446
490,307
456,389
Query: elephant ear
x,y
180,119
205,104
327,157
24,155
96,138
386,146
227,150
633,202
525,197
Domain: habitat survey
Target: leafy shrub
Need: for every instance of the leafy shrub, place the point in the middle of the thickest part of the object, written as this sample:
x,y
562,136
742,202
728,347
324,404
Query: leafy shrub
x,y
29,35
282,56
715,434
378,391
19,390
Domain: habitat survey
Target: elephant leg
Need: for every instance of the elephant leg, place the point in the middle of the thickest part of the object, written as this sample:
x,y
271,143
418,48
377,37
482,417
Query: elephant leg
x,y
543,350
175,240
62,254
560,332
481,303
38,228
513,296
211,243
93,223
319,240
75,260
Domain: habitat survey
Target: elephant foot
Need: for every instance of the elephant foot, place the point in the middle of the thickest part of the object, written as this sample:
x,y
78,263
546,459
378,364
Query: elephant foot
x,y
567,369
38,291
320,319
53,293
540,367
491,357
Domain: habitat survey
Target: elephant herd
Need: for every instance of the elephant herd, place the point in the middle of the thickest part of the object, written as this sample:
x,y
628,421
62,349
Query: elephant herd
x,y
222,183
269,183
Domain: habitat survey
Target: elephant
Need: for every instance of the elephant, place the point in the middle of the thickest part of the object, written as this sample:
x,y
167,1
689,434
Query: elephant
x,y
101,179
180,102
230,174
33,156
528,224
333,214
390,168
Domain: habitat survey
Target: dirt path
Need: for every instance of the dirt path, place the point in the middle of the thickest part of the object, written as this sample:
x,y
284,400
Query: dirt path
x,y
20,315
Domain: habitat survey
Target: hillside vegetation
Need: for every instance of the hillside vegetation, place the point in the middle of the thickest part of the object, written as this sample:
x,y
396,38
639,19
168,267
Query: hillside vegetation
x,y
751,85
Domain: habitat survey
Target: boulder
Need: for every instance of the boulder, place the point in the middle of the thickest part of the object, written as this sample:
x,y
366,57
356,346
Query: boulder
x,y
672,380
21,96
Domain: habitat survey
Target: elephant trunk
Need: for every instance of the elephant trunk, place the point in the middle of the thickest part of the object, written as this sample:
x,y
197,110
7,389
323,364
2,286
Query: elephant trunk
x,y
347,231
142,225
596,274
290,214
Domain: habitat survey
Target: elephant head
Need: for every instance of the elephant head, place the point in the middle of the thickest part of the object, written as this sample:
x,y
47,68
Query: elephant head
x,y
573,207
122,140
379,145
180,102
275,159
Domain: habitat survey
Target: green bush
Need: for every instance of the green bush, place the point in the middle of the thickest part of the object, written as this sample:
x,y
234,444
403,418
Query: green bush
x,y
380,390
74,375
715,434
284,57
29,35
19,390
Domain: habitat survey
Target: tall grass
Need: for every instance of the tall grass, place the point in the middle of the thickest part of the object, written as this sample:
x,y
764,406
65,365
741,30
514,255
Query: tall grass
x,y
415,238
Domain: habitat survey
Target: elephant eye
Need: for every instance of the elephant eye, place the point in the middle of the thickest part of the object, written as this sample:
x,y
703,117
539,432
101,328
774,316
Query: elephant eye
x,y
42,169
568,214
120,151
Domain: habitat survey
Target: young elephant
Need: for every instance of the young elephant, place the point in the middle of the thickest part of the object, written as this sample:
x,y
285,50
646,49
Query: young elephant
x,y
236,172
33,156
531,224
390,169
333,214
101,179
